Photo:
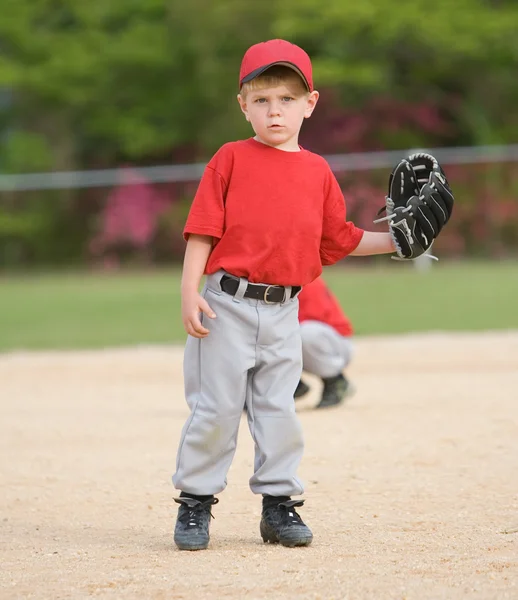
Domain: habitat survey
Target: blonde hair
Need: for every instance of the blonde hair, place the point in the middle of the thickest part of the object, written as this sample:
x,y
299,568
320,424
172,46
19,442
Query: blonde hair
x,y
274,76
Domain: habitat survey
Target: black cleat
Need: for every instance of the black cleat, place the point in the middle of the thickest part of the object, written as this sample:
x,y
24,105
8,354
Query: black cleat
x,y
192,524
302,390
335,390
280,523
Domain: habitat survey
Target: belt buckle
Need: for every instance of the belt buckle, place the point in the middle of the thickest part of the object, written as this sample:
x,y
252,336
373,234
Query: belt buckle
x,y
265,297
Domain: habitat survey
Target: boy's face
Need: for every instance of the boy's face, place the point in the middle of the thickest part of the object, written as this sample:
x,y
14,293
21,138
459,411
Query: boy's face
x,y
276,113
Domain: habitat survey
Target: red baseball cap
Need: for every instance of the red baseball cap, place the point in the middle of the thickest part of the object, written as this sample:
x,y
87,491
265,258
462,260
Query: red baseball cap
x,y
264,55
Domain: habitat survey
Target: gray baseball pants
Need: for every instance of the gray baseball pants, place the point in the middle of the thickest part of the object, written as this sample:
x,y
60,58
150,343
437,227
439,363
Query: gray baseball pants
x,y
325,352
252,355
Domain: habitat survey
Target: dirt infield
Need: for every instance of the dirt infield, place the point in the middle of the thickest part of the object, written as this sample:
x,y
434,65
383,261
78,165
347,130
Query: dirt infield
x,y
410,486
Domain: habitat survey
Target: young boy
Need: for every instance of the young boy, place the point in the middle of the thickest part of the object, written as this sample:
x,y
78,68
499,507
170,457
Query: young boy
x,y
326,343
266,216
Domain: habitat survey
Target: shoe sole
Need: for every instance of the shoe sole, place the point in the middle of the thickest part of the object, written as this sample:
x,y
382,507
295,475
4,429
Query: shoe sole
x,y
191,548
288,543
273,539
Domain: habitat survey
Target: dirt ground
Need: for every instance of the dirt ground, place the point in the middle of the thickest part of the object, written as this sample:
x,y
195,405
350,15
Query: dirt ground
x,y
411,485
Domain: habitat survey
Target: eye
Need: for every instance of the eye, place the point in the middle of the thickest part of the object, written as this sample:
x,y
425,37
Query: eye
x,y
287,99
260,100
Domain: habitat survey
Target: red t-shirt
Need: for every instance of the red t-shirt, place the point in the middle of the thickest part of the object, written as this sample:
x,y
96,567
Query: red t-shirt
x,y
276,217
317,303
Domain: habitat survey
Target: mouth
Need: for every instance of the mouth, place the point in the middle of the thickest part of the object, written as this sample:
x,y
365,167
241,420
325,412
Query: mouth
x,y
276,127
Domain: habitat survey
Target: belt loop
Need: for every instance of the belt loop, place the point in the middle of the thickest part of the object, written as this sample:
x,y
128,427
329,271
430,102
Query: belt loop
x,y
287,294
239,295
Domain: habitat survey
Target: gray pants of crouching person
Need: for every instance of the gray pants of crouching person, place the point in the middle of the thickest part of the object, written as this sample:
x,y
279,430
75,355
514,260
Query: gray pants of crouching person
x,y
325,352
252,355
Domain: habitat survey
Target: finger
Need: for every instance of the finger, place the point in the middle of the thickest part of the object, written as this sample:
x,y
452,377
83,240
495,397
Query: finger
x,y
445,197
402,184
427,222
189,329
197,325
404,249
193,326
206,309
192,332
439,183
439,208
435,202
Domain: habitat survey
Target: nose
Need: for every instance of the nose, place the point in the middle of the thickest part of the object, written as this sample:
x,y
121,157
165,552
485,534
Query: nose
x,y
274,108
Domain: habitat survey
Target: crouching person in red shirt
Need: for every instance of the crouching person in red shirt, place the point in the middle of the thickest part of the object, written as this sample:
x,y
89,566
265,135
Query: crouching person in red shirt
x,y
327,345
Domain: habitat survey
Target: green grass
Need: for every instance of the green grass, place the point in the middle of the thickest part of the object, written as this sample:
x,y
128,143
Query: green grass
x,y
448,297
94,311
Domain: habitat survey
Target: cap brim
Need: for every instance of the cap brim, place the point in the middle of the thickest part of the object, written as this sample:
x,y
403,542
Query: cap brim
x,y
261,70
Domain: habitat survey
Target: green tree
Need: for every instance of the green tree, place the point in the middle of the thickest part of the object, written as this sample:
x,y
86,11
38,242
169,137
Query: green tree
x,y
458,55
124,79
102,82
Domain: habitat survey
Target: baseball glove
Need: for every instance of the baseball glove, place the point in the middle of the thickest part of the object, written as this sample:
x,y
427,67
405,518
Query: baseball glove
x,y
418,205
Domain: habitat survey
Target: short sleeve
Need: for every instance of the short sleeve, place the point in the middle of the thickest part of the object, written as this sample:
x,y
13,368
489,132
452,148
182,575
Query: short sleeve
x,y
207,212
339,236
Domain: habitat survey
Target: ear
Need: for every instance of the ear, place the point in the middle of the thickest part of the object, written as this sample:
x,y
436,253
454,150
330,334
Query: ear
x,y
311,102
242,104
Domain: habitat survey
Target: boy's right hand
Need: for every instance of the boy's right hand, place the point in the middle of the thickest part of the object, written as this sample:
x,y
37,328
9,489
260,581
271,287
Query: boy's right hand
x,y
192,305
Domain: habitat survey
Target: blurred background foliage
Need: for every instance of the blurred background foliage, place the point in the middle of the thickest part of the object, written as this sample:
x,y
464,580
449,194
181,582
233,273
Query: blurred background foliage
x,y
138,82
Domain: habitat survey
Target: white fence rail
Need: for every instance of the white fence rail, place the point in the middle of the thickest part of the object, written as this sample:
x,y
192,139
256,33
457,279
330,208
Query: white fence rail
x,y
192,172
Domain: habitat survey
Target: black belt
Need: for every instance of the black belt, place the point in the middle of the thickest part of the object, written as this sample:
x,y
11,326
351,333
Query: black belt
x,y
270,294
